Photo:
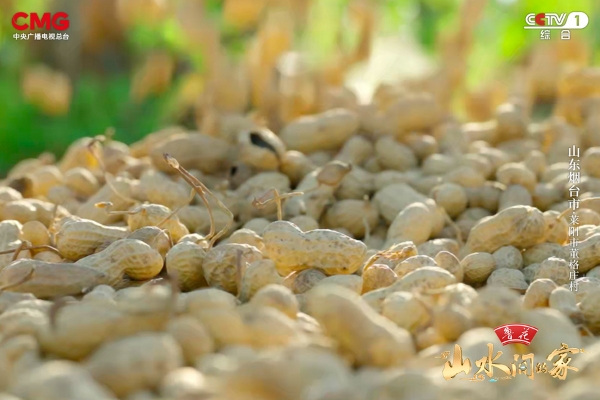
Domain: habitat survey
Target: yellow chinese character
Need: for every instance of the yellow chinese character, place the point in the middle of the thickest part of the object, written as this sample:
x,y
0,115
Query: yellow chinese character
x,y
489,362
561,366
541,368
522,366
451,369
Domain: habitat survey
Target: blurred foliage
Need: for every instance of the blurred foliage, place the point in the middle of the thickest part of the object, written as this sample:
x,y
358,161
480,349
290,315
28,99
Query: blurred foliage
x,y
101,100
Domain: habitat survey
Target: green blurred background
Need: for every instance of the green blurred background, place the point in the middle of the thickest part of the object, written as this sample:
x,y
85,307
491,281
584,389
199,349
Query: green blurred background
x,y
104,51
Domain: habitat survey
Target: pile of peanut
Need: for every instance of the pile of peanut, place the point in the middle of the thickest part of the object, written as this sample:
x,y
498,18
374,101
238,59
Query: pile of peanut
x,y
333,258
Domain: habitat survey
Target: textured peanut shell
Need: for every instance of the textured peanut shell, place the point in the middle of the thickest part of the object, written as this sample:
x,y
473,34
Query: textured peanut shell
x,y
371,339
394,198
590,309
225,326
80,329
563,300
352,282
510,278
88,210
451,197
414,223
553,268
313,203
35,233
268,327
278,297
144,359
432,247
394,155
9,298
153,214
477,267
159,188
452,322
208,298
301,281
81,181
247,236
589,253
126,256
192,337
553,326
403,309
193,151
220,265
354,215
184,260
258,274
357,184
47,280
257,156
542,251
413,263
495,306
519,226
326,131
508,257
78,239
514,195
377,276
450,263
154,237
538,293
59,380
10,232
324,249
295,165
181,383
423,278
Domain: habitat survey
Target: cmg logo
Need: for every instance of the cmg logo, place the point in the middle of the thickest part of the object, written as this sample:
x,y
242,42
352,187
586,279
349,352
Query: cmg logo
x,y
58,21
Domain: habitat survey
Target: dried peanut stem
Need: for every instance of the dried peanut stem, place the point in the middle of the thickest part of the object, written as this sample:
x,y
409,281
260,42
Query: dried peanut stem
x,y
313,189
172,279
107,176
198,187
45,247
202,190
27,277
584,328
238,270
165,231
176,210
23,246
390,255
54,214
273,195
107,206
16,251
112,187
563,214
373,258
